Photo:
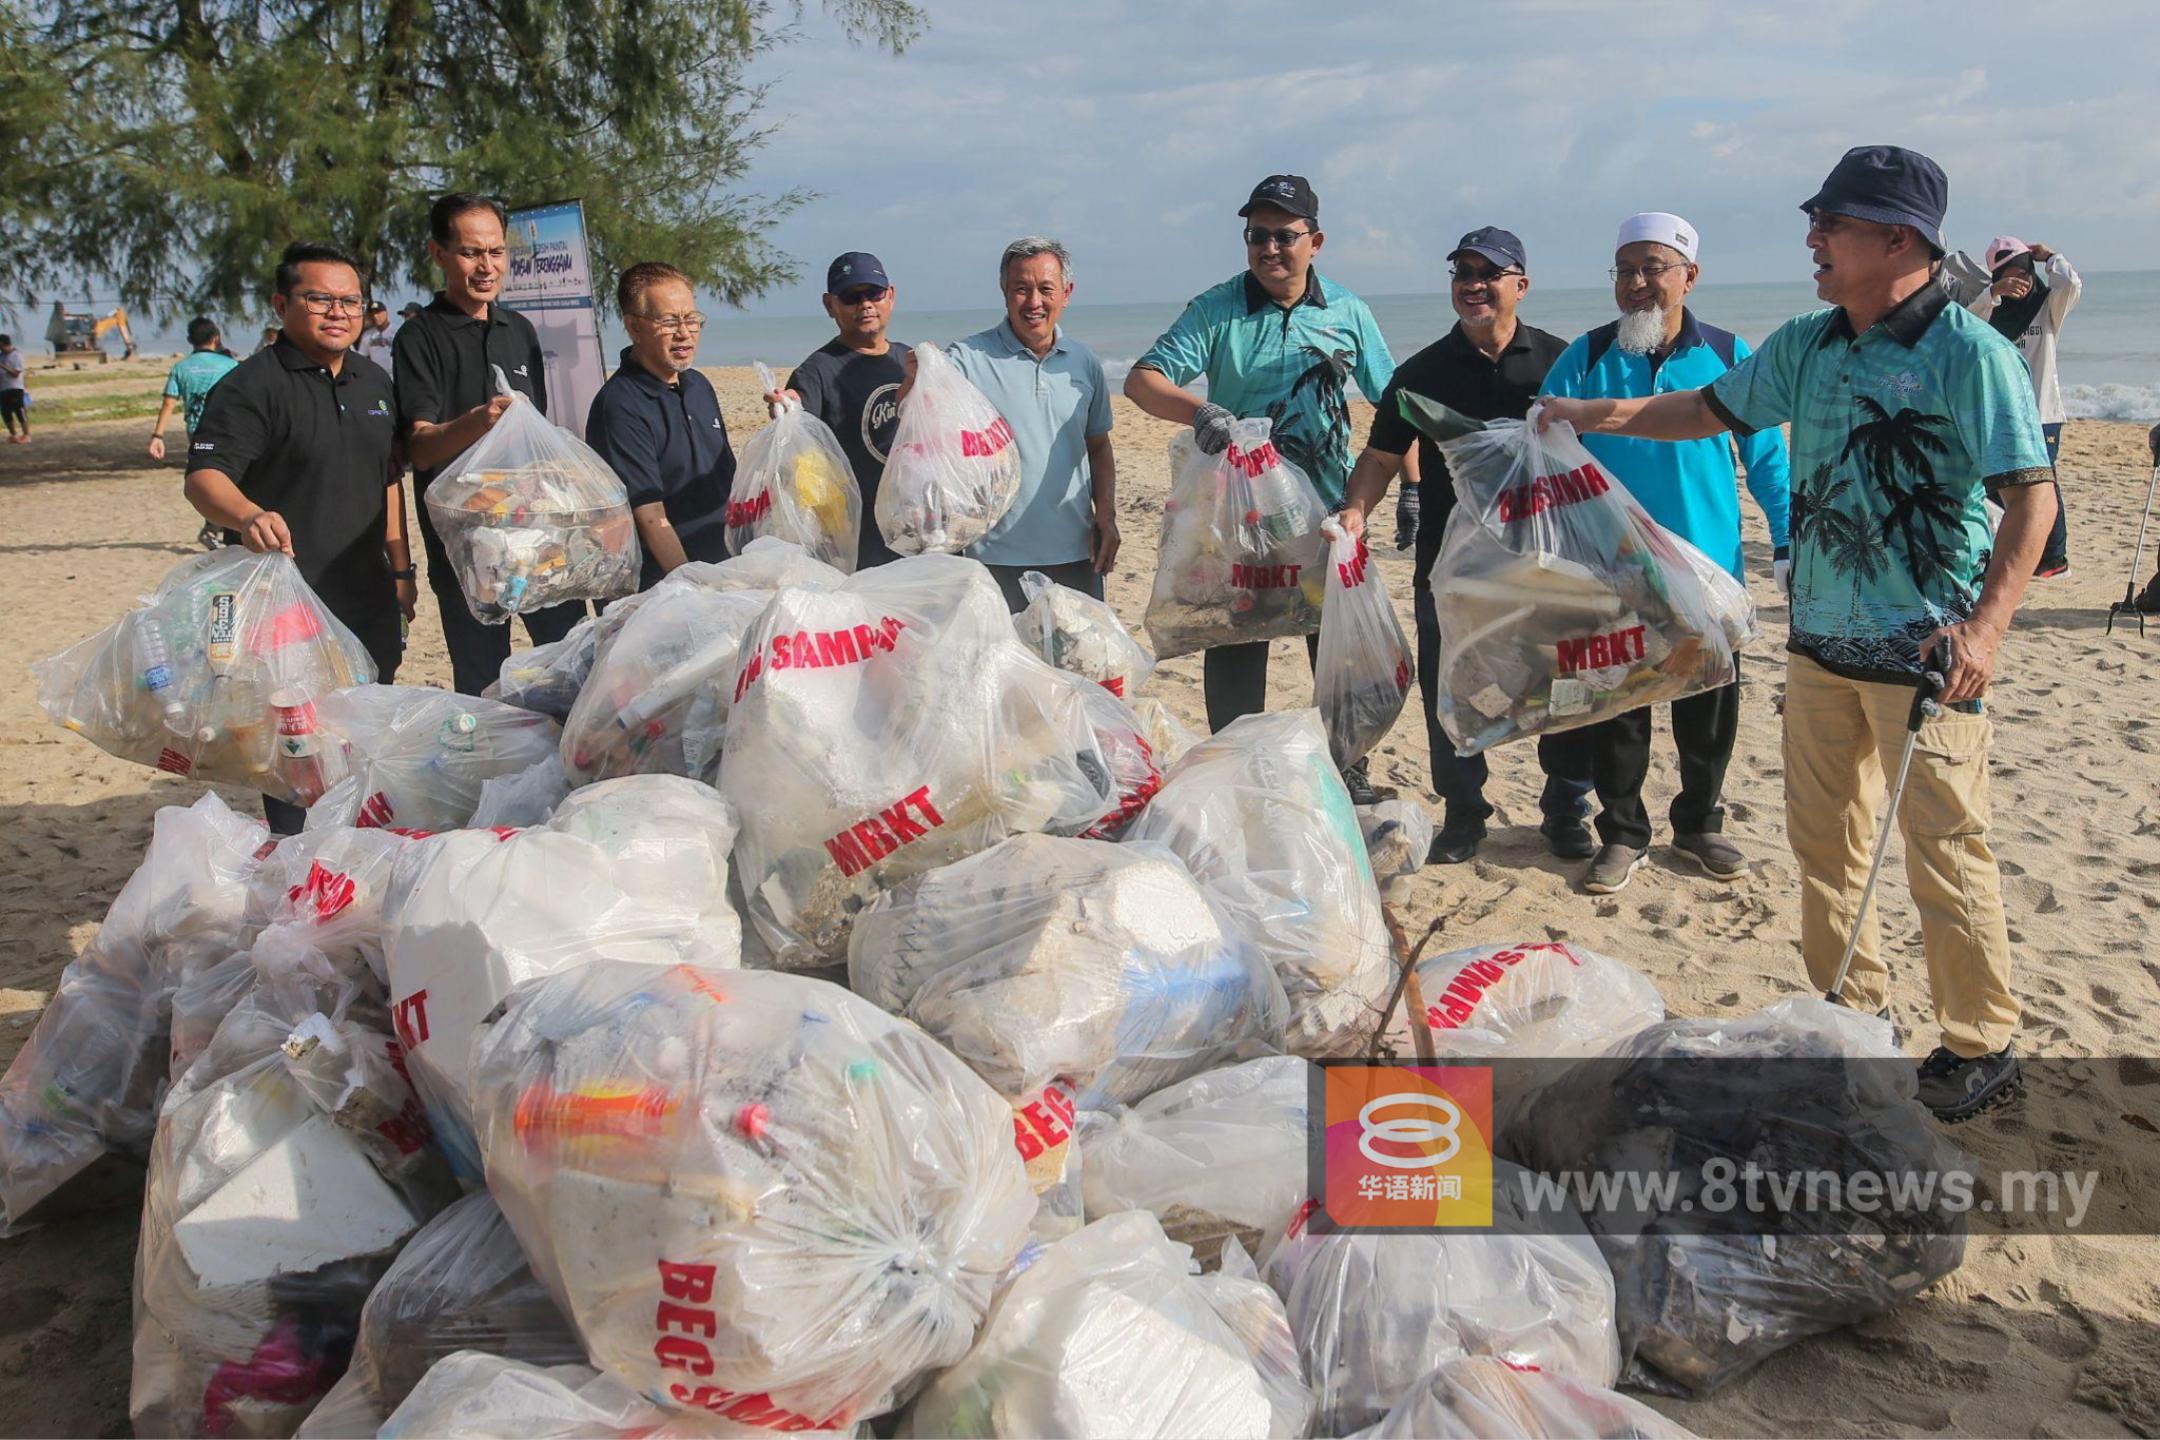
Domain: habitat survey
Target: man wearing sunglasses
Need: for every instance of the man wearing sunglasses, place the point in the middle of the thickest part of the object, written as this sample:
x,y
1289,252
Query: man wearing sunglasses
x,y
1656,346
1279,341
293,453
1489,367
446,358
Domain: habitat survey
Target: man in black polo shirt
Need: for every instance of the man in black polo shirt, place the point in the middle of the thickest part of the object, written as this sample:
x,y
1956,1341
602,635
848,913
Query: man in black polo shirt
x,y
293,454
852,382
447,401
1489,367
657,422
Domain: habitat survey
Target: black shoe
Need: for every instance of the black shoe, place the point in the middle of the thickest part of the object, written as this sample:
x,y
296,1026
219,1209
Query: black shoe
x,y
1359,784
1454,847
1956,1088
1568,839
2148,599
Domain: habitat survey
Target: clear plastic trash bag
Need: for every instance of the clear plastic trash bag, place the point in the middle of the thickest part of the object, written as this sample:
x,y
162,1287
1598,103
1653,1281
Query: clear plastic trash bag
x,y
1478,1397
216,676
1219,1155
1074,631
326,888
1135,774
477,1396
1398,833
546,678
525,798
90,1076
1563,602
1168,736
888,725
1260,817
1108,1333
954,468
417,756
753,1194
1363,671
1044,958
1242,556
793,482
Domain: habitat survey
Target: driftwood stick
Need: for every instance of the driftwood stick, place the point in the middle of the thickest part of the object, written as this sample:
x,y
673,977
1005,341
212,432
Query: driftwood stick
x,y
1406,982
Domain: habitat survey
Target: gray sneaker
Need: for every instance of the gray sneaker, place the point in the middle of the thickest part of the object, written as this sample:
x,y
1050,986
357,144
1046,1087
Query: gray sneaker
x,y
1719,857
1614,866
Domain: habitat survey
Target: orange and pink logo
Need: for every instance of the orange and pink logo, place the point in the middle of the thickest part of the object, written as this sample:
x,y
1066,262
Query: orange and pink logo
x,y
1408,1146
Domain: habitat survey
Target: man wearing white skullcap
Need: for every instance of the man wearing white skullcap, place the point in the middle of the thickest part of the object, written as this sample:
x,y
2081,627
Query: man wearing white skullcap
x,y
1658,345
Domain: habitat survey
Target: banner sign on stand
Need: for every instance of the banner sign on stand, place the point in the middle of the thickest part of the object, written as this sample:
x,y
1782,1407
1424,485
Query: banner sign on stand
x,y
550,284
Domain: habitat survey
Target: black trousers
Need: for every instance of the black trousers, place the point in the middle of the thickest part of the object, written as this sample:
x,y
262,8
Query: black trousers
x,y
1078,575
477,651
1233,678
1617,752
382,637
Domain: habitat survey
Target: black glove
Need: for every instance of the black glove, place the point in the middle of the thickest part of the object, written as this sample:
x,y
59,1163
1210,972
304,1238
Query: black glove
x,y
1211,428
1407,500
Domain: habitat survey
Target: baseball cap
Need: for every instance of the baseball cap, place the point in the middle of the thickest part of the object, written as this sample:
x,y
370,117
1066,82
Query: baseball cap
x,y
375,305
1291,194
411,309
855,270
2005,247
1661,228
1889,185
1497,245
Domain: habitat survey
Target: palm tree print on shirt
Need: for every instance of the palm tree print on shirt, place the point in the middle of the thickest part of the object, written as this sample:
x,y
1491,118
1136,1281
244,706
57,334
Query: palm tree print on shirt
x,y
1918,513
1325,378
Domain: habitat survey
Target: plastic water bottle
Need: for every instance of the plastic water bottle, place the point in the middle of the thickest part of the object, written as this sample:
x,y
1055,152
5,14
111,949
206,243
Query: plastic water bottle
x,y
157,673
1278,511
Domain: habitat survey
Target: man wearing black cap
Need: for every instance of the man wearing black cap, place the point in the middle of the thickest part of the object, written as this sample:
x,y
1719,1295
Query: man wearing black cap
x,y
1905,411
1489,367
1280,341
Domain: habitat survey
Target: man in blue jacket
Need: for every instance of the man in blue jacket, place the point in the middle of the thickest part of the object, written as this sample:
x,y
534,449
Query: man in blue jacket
x,y
1657,345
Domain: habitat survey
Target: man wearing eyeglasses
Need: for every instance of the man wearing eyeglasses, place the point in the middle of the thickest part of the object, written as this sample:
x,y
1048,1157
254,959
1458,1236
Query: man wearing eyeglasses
x,y
293,453
446,356
657,422
1655,347
1280,341
1488,367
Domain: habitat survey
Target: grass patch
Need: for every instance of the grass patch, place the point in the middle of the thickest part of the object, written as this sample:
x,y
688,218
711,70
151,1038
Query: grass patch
x,y
76,410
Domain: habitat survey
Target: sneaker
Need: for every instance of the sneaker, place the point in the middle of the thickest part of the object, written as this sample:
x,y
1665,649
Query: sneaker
x,y
1455,847
1358,783
2052,570
1570,839
1614,866
1719,857
1956,1088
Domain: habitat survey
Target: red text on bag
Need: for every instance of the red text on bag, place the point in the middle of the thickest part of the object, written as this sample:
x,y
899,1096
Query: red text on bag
x,y
323,894
683,1320
1043,1124
749,512
409,1016
818,649
866,842
1250,463
1550,492
1352,571
1459,1000
1595,652
1264,577
984,443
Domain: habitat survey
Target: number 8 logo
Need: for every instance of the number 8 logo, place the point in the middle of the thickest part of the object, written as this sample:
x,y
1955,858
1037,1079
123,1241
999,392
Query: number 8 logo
x,y
1410,1130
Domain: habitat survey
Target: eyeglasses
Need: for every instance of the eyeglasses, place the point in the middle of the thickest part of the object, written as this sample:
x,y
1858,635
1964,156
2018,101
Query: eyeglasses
x,y
1464,275
1257,237
686,324
320,304
1632,273
861,295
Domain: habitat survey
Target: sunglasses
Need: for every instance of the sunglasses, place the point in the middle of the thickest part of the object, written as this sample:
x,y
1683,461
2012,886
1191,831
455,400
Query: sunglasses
x,y
1258,237
861,295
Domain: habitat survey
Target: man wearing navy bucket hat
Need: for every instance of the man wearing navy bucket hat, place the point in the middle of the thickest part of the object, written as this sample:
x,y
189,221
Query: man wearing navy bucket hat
x,y
1905,410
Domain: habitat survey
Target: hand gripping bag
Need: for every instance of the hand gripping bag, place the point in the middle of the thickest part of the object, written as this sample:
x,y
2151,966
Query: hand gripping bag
x,y
793,482
216,675
1478,1397
1074,631
812,1197
1362,673
418,756
884,727
954,467
1109,1334
1242,553
1260,817
1044,958
531,517
1562,602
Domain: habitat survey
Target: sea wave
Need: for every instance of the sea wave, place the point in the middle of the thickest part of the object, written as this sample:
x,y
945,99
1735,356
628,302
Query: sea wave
x,y
2112,402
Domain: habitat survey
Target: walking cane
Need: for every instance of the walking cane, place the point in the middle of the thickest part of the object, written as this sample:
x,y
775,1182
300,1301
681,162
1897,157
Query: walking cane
x,y
2128,604
1925,705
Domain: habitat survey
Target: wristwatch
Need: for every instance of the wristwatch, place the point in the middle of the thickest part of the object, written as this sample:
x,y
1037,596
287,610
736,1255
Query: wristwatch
x,y
405,574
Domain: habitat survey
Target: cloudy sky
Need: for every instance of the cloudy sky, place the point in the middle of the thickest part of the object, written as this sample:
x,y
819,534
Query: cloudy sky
x,y
1133,129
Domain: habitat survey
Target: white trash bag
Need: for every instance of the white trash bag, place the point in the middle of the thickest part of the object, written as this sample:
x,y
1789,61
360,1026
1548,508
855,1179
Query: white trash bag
x,y
1363,671
793,482
1168,736
473,1395
418,756
753,1194
656,702
325,889
1260,817
546,678
954,468
1398,834
1074,631
1122,742
1478,1397
512,802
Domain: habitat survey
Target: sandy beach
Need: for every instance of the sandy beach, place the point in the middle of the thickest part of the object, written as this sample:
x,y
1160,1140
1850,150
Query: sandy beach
x,y
2030,1337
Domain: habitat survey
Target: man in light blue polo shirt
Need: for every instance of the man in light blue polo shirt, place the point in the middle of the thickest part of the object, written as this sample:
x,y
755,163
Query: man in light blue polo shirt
x,y
1655,347
1051,390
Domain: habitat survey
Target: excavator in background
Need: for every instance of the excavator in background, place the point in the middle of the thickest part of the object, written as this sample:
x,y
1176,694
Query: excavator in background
x,y
76,333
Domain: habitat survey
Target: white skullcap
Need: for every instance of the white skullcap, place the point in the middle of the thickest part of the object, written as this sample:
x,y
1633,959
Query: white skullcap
x,y
1658,226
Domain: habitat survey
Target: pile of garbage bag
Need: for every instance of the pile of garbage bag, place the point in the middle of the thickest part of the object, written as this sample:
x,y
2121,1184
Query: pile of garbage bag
x,y
752,1194
1478,1397
472,1395
216,675
1259,815
528,797
546,678
1109,1333
793,482
1077,632
1563,602
531,516
1242,556
1361,675
954,468
416,757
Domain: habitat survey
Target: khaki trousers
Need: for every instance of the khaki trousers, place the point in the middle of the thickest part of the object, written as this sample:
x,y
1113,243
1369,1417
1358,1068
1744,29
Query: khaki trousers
x,y
1842,743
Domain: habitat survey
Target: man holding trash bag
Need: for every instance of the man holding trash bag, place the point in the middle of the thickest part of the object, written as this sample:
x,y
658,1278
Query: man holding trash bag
x,y
1278,341
1488,367
445,361
1656,346
293,453
1905,411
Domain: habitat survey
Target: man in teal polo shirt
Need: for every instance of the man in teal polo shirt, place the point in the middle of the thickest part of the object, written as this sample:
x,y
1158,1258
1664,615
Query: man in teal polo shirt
x,y
1905,410
1655,347
1051,390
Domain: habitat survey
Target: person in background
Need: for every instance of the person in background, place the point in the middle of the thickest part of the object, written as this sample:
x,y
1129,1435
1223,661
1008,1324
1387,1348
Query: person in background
x,y
2029,292
2148,599
657,423
376,339
269,338
447,356
187,389
1278,340
1490,366
293,453
1905,409
14,391
1656,346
